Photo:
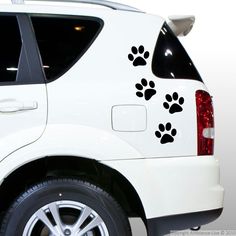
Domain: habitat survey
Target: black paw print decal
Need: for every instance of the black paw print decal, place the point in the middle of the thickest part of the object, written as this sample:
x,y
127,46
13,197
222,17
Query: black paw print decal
x,y
145,91
174,103
166,133
138,56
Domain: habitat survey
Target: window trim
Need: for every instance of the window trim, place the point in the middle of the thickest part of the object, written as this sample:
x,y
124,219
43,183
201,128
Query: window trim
x,y
32,51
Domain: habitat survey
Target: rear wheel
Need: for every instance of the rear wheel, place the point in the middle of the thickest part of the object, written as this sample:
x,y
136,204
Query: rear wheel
x,y
65,207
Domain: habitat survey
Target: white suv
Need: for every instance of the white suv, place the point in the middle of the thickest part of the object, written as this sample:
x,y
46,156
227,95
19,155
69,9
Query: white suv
x,y
103,117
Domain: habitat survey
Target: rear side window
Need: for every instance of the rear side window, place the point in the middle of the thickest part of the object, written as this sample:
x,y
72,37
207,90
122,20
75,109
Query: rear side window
x,y
62,41
170,60
10,48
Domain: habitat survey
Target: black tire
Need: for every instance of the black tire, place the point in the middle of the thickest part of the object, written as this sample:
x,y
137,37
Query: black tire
x,y
65,191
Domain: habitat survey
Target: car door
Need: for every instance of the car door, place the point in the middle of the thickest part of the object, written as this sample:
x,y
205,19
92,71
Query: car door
x,y
23,97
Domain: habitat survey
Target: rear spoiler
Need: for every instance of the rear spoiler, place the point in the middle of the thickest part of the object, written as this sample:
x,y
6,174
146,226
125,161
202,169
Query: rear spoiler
x,y
181,25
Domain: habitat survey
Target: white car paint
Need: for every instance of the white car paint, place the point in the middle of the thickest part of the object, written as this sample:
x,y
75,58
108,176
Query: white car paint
x,y
81,104
169,186
21,124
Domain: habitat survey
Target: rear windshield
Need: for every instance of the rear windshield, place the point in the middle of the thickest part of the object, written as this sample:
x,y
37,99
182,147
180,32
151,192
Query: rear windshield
x,y
170,60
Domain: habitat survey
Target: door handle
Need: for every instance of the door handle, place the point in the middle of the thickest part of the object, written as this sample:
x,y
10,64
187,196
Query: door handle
x,y
14,106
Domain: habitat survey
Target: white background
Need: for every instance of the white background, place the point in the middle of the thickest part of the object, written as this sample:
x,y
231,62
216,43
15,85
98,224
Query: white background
x,y
211,45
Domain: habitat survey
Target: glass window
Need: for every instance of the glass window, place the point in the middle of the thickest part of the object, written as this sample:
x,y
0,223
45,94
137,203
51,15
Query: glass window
x,y
62,41
170,60
10,48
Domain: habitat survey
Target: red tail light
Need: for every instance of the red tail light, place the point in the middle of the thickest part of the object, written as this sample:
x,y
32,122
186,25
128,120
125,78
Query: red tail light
x,y
205,123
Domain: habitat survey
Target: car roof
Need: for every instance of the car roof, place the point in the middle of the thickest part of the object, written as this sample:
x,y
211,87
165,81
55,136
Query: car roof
x,y
108,4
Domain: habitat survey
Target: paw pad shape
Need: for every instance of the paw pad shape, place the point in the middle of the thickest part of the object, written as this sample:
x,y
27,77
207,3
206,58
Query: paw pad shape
x,y
166,133
138,56
173,103
146,89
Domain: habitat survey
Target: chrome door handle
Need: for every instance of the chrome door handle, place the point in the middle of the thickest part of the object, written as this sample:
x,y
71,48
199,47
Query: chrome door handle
x,y
14,106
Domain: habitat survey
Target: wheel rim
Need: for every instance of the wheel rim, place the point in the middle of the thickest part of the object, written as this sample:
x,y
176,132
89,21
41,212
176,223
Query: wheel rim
x,y
65,218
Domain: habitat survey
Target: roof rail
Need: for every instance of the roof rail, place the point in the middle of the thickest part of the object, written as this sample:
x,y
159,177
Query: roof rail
x,y
112,5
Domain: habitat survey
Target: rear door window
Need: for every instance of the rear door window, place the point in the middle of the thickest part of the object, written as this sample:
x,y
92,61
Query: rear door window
x,y
63,40
170,60
10,48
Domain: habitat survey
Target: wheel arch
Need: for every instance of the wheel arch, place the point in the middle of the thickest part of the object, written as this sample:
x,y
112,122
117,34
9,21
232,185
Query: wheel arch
x,y
90,170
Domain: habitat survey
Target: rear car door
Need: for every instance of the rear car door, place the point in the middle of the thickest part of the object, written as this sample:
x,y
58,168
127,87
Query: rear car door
x,y
23,97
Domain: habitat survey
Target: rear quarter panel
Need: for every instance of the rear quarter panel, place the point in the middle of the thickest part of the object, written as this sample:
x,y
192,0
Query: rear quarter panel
x,y
104,77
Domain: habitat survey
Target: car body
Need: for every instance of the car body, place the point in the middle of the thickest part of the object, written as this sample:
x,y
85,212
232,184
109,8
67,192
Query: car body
x,y
110,97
